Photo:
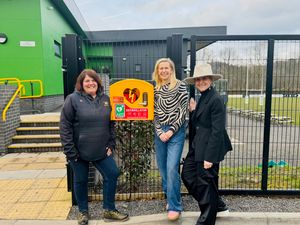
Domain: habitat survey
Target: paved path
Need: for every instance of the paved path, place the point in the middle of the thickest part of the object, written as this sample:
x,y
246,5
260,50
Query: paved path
x,y
34,186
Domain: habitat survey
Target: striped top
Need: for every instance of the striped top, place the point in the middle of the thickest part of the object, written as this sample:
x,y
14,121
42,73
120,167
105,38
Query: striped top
x,y
170,107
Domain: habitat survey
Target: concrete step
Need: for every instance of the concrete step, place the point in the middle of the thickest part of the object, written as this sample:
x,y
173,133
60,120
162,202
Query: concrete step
x,y
37,130
35,147
38,138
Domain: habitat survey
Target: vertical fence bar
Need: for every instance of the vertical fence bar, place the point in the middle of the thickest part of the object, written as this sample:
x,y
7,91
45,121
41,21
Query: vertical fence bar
x,y
266,141
192,90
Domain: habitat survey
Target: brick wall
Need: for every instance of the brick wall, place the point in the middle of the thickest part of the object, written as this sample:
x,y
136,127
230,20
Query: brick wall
x,y
8,127
41,105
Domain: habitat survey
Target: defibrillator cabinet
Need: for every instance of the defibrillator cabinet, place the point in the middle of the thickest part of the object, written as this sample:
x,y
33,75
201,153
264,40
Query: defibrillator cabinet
x,y
132,99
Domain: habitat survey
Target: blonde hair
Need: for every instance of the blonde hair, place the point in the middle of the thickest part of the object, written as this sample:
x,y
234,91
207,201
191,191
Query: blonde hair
x,y
173,80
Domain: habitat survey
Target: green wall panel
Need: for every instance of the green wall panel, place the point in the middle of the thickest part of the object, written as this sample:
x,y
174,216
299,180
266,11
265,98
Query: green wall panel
x,y
54,27
37,21
20,21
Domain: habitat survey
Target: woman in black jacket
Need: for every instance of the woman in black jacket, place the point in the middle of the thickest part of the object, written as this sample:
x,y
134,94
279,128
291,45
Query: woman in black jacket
x,y
209,145
87,135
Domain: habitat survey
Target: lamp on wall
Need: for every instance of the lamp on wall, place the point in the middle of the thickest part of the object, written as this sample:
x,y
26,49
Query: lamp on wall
x,y
3,38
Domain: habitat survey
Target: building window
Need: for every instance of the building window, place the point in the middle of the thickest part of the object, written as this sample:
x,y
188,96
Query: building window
x,y
57,49
138,68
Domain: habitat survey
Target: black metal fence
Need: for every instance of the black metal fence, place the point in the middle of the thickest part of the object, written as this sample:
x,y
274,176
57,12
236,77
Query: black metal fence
x,y
261,88
134,153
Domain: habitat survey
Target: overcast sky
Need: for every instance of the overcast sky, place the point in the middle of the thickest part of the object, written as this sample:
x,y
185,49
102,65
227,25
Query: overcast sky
x,y
240,16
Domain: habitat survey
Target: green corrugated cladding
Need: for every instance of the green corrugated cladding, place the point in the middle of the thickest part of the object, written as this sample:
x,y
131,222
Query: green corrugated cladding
x,y
38,21
99,55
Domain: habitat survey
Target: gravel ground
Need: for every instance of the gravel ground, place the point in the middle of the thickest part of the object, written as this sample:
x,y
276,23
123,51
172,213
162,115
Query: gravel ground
x,y
234,202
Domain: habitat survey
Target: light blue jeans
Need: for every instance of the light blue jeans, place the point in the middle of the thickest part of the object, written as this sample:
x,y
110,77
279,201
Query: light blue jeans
x,y
168,156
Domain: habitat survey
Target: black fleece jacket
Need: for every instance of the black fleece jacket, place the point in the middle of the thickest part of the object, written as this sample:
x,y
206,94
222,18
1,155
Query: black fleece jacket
x,y
86,129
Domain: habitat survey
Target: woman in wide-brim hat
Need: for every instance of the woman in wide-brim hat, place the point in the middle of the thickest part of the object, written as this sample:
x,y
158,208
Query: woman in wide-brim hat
x,y
203,70
209,146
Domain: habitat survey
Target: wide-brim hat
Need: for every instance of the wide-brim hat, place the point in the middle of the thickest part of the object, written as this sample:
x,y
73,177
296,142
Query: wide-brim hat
x,y
202,70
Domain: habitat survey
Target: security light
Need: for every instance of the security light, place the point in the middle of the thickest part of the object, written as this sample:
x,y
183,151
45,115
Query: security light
x,y
3,38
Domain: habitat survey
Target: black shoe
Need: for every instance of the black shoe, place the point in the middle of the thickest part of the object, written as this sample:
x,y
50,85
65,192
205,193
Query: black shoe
x,y
83,218
222,207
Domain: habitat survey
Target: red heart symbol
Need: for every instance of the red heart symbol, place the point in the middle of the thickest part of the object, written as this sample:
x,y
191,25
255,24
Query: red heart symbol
x,y
131,94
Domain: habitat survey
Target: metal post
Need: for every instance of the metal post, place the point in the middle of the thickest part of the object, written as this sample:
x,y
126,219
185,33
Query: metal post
x,y
177,40
32,100
72,61
266,141
169,47
247,80
174,52
192,88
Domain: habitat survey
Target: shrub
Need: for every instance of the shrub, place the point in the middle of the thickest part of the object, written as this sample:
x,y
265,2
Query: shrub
x,y
134,147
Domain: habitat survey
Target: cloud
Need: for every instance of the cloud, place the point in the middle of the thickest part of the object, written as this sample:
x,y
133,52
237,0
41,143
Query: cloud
x,y
240,16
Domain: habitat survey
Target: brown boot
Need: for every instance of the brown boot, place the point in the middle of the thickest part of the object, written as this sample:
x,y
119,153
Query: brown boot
x,y
83,218
114,215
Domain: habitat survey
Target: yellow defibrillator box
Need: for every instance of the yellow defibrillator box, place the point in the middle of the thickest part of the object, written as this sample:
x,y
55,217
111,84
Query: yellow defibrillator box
x,y
132,99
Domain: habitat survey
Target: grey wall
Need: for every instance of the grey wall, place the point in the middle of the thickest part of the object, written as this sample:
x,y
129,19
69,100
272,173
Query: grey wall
x,y
128,55
8,127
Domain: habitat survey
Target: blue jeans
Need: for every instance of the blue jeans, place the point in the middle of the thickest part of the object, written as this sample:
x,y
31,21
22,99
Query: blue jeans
x,y
168,156
109,171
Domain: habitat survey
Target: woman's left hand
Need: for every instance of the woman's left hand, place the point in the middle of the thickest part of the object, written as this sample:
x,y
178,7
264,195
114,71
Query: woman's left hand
x,y
108,151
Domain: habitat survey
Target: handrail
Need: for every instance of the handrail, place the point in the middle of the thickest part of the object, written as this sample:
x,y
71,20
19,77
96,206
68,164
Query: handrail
x,y
21,90
10,102
20,86
41,89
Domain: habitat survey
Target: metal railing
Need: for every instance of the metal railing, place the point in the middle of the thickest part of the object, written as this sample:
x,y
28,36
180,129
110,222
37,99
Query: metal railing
x,y
21,90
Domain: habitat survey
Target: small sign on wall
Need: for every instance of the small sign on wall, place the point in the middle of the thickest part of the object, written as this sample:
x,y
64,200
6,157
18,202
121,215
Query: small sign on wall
x,y
27,43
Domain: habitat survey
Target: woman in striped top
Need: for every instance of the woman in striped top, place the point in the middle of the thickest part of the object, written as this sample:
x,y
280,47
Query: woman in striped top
x,y
170,109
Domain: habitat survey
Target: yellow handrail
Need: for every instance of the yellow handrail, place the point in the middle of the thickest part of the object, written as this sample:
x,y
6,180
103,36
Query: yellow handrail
x,y
41,89
20,87
10,102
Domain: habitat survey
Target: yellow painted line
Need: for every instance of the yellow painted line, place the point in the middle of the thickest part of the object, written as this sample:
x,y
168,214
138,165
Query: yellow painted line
x,y
36,128
38,136
34,145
